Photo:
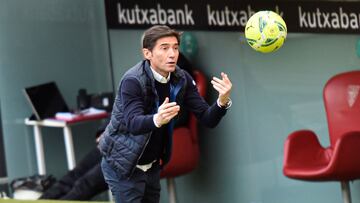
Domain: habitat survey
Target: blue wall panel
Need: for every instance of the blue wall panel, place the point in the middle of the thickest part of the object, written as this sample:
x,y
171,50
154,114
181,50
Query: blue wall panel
x,y
62,41
273,95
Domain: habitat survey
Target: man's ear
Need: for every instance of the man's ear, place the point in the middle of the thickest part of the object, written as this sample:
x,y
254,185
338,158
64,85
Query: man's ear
x,y
147,53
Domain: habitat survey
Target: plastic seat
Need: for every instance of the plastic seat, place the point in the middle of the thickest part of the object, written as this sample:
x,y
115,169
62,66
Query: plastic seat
x,y
185,151
306,159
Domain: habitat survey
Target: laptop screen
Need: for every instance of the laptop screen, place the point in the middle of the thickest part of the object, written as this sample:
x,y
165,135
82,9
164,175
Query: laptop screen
x,y
45,100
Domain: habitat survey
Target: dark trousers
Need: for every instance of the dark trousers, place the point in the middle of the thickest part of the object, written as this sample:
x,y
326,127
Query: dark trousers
x,y
82,183
142,187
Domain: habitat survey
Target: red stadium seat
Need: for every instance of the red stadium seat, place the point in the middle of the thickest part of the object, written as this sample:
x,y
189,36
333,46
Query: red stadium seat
x,y
185,151
306,159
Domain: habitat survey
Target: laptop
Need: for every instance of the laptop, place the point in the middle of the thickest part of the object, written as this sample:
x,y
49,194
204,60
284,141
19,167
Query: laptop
x,y
45,100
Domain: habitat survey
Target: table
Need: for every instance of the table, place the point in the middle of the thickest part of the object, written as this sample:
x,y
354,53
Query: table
x,y
68,139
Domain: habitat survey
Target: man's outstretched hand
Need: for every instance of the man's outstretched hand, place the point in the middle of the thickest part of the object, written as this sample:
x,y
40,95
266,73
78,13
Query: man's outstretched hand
x,y
223,86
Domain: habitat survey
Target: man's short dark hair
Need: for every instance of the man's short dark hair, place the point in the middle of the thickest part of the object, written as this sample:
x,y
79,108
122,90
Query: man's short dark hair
x,y
156,32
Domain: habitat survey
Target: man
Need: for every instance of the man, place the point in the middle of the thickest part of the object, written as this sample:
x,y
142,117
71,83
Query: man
x,y
137,142
84,181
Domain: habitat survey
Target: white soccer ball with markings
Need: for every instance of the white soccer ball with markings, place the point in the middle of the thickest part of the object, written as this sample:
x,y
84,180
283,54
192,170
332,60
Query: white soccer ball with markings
x,y
265,31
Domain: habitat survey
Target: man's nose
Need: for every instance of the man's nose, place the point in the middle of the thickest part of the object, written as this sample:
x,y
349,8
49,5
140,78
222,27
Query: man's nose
x,y
172,52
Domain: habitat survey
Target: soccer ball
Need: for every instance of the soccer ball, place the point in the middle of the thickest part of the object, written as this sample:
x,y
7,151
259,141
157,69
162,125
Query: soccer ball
x,y
265,31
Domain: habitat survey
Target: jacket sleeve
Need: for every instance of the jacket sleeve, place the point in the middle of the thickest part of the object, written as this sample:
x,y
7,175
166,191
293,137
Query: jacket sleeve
x,y
137,122
207,115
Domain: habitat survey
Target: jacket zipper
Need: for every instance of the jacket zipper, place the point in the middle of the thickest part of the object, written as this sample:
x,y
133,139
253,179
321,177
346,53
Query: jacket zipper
x,y
147,141
137,161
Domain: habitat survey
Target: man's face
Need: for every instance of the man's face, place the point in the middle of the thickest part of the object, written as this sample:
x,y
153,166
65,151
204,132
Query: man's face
x,y
164,55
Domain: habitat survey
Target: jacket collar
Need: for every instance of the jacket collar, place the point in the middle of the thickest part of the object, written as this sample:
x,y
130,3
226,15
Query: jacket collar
x,y
160,78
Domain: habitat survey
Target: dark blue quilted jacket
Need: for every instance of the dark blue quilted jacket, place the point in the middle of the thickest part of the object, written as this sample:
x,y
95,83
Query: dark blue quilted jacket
x,y
122,144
